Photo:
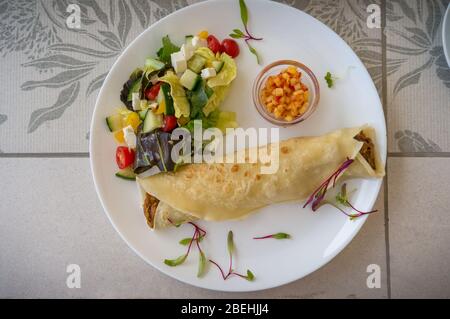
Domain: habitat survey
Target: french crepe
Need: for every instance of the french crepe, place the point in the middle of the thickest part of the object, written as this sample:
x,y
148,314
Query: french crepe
x,y
227,191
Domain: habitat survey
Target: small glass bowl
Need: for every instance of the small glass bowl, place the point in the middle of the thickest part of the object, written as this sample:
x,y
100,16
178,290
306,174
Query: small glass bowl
x,y
308,78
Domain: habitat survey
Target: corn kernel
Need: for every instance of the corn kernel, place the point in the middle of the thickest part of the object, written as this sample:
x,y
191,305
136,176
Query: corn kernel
x,y
133,120
203,34
119,137
277,81
288,118
278,92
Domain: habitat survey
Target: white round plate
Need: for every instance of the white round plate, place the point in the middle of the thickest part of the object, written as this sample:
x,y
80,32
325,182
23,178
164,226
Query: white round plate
x,y
446,35
317,237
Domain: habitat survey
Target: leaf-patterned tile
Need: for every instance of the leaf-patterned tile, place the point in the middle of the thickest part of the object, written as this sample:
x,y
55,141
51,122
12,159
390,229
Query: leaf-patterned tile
x,y
348,18
52,73
418,83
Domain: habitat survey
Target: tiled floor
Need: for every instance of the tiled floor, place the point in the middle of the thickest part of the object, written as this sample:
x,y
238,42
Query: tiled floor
x,y
46,218
408,239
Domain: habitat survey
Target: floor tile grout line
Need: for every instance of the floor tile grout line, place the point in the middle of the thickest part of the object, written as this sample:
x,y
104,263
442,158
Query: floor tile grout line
x,y
420,155
385,107
44,155
86,155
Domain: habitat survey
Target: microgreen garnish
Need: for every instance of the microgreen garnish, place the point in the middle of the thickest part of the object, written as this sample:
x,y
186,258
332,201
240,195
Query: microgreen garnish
x,y
247,36
330,79
186,241
342,199
318,197
275,236
231,249
196,238
176,261
319,194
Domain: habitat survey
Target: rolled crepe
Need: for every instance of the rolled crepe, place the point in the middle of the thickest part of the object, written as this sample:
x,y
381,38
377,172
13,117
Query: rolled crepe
x,y
219,192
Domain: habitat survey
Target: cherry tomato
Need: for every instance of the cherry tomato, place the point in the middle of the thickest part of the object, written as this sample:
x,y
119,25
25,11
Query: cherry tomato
x,y
230,47
152,93
170,123
124,157
213,43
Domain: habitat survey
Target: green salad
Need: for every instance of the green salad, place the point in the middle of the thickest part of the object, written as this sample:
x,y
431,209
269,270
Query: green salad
x,y
174,88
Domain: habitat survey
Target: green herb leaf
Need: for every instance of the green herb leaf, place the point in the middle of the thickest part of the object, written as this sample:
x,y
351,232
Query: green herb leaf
x,y
230,242
187,241
235,36
167,49
175,262
239,32
201,264
252,50
281,236
250,276
330,80
244,12
342,197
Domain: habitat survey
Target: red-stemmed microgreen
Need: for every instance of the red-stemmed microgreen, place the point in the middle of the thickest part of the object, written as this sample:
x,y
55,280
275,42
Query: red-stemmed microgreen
x,y
231,248
342,198
319,194
317,199
247,36
196,238
275,236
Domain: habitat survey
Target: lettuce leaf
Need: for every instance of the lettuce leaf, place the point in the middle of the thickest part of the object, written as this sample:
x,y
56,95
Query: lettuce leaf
x,y
216,99
207,54
226,75
180,101
166,50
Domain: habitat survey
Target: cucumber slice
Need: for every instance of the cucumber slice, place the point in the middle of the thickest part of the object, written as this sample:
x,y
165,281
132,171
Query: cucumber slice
x,y
115,122
152,121
165,92
135,88
217,65
188,39
142,114
189,79
155,64
196,63
126,173
209,92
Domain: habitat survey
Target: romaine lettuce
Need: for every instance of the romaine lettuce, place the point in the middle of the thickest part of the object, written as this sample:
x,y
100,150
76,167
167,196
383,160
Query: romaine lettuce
x,y
226,75
180,101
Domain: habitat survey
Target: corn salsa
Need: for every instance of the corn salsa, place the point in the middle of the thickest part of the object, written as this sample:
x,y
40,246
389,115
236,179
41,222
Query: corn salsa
x,y
284,95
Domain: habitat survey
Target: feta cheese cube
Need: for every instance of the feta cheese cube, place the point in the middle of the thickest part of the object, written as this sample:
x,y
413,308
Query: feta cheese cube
x,y
136,101
130,137
153,105
187,50
178,62
154,79
208,73
198,42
